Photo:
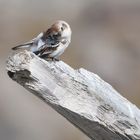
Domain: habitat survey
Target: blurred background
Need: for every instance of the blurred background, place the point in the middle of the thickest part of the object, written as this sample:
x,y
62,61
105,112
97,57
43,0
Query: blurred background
x,y
105,40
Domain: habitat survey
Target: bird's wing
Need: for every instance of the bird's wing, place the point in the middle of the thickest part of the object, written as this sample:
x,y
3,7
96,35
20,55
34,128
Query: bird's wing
x,y
29,43
47,49
25,45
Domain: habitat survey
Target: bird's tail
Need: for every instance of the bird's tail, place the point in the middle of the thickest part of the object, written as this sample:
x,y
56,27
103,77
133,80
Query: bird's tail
x,y
26,45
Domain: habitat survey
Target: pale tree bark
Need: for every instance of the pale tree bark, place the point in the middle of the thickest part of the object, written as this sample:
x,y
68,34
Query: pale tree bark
x,y
82,97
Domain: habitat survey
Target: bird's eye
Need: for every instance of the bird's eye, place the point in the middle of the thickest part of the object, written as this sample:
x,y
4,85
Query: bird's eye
x,y
62,28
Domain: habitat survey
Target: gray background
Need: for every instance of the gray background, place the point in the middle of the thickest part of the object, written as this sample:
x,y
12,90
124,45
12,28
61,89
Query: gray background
x,y
105,40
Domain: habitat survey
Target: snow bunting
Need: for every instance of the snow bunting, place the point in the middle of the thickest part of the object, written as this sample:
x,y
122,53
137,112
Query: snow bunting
x,y
51,43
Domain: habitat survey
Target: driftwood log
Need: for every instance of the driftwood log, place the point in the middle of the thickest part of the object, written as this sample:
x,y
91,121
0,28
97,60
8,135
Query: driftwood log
x,y
80,96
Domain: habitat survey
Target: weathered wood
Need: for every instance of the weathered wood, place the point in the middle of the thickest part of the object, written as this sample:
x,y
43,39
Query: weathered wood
x,y
82,97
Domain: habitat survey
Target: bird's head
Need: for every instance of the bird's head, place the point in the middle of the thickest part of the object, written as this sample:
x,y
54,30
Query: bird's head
x,y
62,28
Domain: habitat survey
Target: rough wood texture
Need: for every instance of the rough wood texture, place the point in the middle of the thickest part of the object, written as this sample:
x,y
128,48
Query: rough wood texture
x,y
82,97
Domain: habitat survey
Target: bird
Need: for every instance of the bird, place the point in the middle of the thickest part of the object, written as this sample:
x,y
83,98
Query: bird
x,y
50,43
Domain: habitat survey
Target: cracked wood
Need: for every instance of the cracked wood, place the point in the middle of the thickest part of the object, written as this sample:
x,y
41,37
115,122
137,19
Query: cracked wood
x,y
82,97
